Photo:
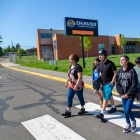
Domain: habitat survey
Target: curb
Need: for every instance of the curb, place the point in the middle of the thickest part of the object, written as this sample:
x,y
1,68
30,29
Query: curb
x,y
49,77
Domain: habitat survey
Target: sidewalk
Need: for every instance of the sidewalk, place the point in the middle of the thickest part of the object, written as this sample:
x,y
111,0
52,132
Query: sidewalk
x,y
59,76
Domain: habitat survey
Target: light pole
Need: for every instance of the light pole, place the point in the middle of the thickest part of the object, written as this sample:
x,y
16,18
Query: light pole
x,y
52,45
83,51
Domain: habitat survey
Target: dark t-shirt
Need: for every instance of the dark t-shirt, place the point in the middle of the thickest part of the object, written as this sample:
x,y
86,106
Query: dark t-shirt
x,y
74,71
107,71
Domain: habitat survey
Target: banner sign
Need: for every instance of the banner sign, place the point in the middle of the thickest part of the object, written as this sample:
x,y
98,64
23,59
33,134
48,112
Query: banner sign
x,y
78,26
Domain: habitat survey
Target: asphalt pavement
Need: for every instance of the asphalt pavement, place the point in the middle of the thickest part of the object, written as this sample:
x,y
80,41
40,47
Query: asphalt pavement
x,y
55,75
31,108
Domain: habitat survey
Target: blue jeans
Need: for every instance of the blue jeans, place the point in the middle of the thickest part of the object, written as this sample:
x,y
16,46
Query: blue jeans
x,y
127,106
71,94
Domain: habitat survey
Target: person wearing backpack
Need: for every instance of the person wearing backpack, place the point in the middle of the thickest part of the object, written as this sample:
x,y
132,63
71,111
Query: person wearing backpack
x,y
75,85
137,69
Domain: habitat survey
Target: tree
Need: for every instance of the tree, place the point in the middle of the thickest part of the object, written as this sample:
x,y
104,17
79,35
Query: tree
x,y
21,51
35,53
13,49
18,46
122,42
1,51
8,49
87,44
0,39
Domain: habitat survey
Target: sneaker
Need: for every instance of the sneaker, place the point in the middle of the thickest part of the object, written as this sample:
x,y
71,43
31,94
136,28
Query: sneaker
x,y
82,111
66,113
100,116
133,126
127,128
112,110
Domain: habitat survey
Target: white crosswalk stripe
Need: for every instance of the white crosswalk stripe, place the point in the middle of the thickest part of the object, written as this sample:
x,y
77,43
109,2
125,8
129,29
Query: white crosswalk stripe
x,y
48,128
115,118
119,99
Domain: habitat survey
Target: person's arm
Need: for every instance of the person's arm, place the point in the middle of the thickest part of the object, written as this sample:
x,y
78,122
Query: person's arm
x,y
92,76
79,73
118,85
114,78
79,80
67,82
133,87
68,78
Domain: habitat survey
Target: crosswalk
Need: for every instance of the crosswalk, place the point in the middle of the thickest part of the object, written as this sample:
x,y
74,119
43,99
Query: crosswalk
x,y
116,118
48,128
119,99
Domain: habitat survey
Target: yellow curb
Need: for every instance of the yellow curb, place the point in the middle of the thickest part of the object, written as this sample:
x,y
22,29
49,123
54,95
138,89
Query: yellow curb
x,y
49,77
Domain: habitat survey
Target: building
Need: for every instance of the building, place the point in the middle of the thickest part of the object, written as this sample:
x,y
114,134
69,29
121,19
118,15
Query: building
x,y
31,51
44,42
53,44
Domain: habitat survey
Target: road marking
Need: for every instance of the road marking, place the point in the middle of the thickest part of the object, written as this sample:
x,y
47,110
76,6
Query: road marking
x,y
48,128
119,99
115,118
57,79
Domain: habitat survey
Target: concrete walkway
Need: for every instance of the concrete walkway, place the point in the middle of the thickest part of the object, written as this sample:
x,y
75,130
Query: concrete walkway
x,y
59,76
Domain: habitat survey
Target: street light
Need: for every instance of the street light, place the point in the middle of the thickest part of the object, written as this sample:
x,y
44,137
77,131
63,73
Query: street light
x,y
51,32
52,45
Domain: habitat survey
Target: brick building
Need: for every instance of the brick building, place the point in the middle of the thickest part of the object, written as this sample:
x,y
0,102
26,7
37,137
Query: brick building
x,y
53,44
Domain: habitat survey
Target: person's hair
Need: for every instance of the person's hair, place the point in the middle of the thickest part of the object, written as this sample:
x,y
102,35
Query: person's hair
x,y
94,66
127,59
75,57
137,60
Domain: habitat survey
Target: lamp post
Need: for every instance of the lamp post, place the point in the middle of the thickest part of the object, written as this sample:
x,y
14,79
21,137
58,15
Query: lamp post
x,y
52,44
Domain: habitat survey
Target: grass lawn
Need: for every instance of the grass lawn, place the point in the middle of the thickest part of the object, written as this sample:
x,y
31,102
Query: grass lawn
x,y
62,65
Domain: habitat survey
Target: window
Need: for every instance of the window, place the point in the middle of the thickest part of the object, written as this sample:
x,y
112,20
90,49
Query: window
x,y
45,35
101,47
110,47
133,47
130,48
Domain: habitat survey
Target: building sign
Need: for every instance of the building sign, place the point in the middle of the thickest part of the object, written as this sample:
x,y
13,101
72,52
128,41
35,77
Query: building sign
x,y
76,26
82,32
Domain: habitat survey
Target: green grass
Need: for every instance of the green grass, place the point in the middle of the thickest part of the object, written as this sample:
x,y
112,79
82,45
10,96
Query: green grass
x,y
62,65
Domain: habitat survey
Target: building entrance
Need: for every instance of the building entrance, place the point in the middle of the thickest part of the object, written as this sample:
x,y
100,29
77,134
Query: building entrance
x,y
47,53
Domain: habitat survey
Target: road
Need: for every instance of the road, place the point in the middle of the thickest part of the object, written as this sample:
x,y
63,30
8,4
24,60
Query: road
x,y
27,98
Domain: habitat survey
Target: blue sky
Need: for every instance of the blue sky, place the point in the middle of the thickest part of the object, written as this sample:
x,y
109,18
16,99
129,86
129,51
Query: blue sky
x,y
20,19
